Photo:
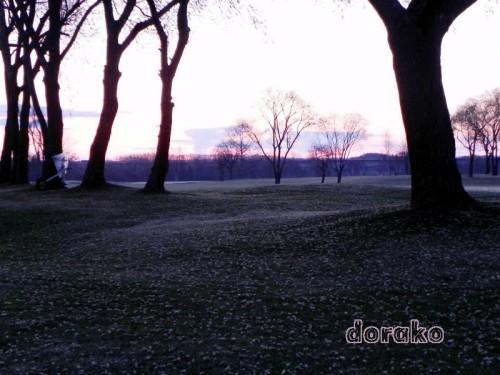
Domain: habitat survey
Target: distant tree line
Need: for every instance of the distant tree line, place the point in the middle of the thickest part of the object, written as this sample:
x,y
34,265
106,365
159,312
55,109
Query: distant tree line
x,y
207,168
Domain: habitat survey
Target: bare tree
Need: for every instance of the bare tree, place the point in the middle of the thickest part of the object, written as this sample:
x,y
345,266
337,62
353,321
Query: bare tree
x,y
492,129
469,121
240,142
156,179
319,155
387,143
286,116
415,33
10,49
226,157
59,24
403,156
118,16
341,135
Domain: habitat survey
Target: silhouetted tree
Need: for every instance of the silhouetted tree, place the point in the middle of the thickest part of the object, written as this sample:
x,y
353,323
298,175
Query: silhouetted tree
x,y
340,136
469,121
415,35
233,149
492,129
11,58
286,116
57,20
226,157
156,179
115,25
320,154
240,143
387,143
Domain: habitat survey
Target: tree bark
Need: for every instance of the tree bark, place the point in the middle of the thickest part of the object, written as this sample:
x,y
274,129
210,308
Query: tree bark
x,y
471,165
487,169
339,175
53,145
51,68
11,132
277,177
156,179
11,135
436,181
159,171
415,37
494,164
23,140
94,174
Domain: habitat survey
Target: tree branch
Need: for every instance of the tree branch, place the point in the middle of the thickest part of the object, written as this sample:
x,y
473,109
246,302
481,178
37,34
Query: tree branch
x,y
138,27
78,28
389,11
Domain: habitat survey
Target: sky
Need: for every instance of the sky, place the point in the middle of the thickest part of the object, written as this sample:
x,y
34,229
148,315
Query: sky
x,y
337,60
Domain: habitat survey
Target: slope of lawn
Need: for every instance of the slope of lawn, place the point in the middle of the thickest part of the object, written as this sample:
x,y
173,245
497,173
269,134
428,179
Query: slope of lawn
x,y
257,279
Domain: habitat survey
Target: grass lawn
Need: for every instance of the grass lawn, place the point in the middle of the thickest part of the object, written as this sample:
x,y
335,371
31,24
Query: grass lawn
x,y
244,278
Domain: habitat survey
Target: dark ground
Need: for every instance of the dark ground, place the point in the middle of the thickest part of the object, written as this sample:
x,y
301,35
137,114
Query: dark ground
x,y
262,280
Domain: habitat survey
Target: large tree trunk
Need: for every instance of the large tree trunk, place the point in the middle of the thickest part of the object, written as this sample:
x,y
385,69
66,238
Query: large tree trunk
x,y
55,123
53,143
415,36
6,156
12,95
436,181
7,159
94,174
8,165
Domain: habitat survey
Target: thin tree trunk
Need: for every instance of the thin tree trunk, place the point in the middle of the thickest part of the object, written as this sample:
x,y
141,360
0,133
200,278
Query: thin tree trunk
x,y
471,165
339,174
23,141
277,177
159,171
494,164
156,179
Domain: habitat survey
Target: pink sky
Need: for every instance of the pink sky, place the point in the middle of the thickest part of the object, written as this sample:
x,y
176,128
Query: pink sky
x,y
337,61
